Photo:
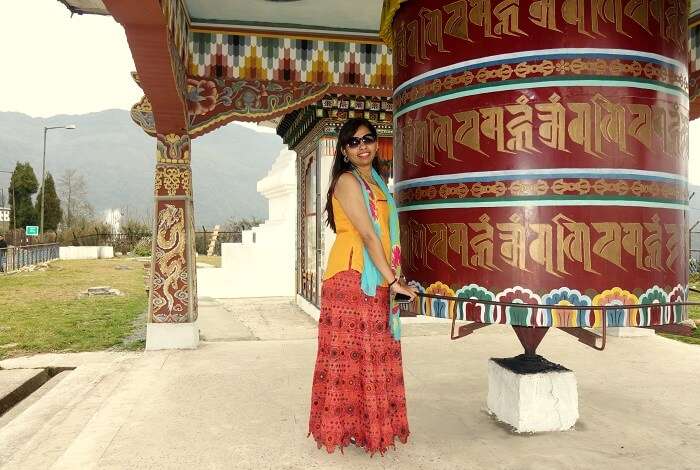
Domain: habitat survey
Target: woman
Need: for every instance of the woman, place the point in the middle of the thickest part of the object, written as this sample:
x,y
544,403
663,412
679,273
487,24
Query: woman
x,y
358,392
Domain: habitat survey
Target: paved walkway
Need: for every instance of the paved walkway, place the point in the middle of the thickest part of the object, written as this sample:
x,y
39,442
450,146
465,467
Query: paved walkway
x,y
241,401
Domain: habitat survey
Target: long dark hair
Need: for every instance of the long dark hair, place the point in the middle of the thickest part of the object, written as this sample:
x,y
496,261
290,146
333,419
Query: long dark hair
x,y
340,166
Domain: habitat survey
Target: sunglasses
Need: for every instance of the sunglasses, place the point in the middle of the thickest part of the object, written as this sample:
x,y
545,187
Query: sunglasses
x,y
366,139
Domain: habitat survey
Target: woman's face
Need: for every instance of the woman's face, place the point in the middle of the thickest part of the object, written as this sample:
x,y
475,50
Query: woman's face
x,y
362,148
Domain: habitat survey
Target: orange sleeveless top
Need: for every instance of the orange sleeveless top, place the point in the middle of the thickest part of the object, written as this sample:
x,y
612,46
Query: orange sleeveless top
x,y
346,252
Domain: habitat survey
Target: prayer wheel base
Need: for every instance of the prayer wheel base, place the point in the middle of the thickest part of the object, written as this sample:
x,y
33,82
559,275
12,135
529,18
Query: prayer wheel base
x,y
530,338
532,394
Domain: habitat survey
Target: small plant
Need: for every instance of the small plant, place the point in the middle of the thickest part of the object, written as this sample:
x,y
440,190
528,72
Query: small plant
x,y
143,247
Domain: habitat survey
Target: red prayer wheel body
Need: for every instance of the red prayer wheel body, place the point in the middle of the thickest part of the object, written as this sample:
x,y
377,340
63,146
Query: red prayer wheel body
x,y
540,157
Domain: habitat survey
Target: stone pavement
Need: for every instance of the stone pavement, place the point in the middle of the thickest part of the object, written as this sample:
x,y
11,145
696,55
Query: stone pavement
x,y
240,401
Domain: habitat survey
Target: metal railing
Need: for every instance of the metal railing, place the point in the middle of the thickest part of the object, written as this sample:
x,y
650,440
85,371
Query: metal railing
x,y
580,332
16,257
125,242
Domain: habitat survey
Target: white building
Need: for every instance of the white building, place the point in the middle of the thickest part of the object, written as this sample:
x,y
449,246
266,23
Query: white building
x,y
286,255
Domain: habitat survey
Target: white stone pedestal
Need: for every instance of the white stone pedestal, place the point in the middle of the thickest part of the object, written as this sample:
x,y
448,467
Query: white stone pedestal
x,y
172,336
539,402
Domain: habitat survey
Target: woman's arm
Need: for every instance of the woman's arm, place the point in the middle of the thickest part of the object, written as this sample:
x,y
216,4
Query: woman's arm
x,y
349,194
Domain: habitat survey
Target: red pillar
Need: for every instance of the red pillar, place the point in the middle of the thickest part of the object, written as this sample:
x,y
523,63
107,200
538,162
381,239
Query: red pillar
x,y
173,297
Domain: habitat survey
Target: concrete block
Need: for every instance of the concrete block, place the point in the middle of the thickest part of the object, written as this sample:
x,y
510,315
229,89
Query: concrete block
x,y
172,336
85,252
105,252
537,402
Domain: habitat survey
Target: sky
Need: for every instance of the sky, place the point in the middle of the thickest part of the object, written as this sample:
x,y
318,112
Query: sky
x,y
57,64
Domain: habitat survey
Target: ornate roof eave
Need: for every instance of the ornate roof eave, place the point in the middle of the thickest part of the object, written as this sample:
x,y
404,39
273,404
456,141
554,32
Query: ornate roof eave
x,y
86,7
215,103
335,109
182,98
157,34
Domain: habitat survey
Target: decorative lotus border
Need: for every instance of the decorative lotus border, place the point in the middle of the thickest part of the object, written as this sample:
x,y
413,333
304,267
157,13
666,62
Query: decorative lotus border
x,y
485,308
521,316
616,316
480,312
440,308
564,317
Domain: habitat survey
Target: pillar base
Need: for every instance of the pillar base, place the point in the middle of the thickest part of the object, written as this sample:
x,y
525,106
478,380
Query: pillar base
x,y
532,397
172,336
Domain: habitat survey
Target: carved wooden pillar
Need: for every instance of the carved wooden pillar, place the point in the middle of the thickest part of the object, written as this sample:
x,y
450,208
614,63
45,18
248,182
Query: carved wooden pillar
x,y
172,309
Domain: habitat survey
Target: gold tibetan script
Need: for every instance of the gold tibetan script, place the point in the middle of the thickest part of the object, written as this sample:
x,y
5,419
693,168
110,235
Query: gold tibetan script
x,y
482,244
472,20
513,243
600,127
561,246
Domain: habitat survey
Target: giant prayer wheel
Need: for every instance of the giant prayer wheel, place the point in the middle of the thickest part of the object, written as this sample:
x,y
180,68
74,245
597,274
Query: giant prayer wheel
x,y
541,153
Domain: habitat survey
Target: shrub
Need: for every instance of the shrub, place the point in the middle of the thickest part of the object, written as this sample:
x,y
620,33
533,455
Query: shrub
x,y
136,226
143,247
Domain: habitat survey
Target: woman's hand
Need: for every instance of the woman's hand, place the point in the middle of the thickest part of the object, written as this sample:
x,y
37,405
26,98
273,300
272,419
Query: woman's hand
x,y
400,287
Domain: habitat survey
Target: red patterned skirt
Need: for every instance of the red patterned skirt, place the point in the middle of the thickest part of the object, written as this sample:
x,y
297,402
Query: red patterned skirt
x,y
358,390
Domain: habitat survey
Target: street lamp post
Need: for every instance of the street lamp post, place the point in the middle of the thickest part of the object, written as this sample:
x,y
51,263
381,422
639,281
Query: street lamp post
x,y
14,206
43,172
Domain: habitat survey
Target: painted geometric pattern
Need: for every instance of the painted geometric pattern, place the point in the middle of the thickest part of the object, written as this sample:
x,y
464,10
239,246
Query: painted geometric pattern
x,y
622,307
576,190
268,58
528,67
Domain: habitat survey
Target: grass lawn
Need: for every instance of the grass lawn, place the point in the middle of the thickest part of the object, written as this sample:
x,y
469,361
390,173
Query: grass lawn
x,y
41,312
694,313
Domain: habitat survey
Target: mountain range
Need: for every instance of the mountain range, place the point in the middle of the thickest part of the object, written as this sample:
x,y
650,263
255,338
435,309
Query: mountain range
x,y
117,160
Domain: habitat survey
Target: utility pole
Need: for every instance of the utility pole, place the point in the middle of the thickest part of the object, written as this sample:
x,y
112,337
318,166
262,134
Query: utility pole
x,y
43,172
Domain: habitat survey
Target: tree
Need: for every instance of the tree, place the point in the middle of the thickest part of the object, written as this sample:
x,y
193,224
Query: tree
x,y
52,212
23,185
133,225
74,197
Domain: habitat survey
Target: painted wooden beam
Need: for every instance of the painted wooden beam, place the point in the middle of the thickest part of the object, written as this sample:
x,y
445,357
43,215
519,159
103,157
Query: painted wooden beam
x,y
161,73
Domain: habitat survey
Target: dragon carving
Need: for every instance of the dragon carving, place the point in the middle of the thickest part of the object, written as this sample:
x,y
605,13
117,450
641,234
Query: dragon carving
x,y
170,259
